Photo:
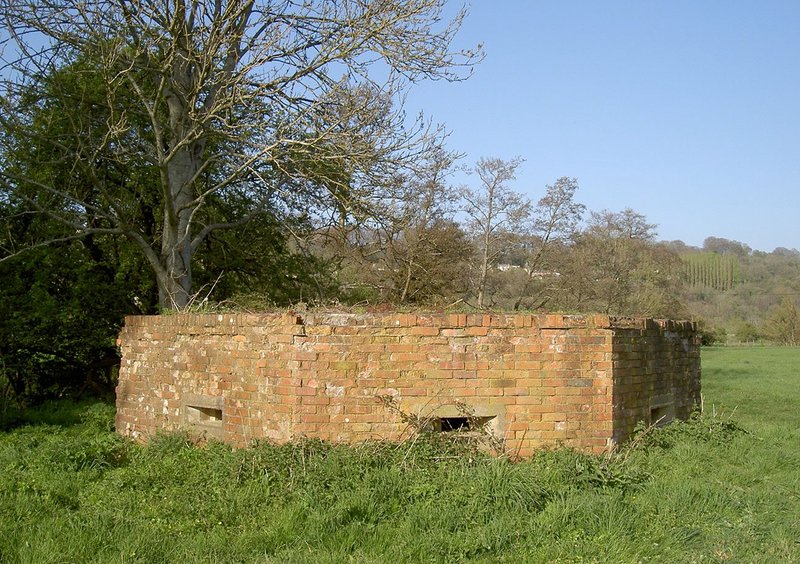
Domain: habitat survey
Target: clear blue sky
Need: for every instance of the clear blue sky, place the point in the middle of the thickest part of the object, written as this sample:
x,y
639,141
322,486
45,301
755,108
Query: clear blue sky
x,y
687,111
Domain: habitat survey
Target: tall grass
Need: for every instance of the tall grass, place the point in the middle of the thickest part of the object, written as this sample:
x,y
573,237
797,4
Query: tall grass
x,y
723,486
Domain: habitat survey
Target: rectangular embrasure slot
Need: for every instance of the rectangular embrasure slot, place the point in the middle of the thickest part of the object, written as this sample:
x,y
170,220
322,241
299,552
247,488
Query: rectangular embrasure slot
x,y
662,409
460,424
200,414
660,415
204,414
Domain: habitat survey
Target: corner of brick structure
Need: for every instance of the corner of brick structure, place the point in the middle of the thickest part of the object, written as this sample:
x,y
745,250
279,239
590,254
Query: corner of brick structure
x,y
535,380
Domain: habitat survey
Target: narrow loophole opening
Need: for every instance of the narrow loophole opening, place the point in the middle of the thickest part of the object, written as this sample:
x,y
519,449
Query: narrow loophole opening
x,y
460,424
661,415
200,414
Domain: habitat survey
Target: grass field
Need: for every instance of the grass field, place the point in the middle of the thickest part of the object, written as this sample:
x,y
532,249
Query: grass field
x,y
722,487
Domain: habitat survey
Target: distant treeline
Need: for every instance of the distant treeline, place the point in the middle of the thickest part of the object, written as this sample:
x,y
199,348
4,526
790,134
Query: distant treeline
x,y
742,295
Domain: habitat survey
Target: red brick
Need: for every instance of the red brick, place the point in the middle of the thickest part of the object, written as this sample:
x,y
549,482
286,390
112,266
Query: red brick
x,y
315,400
411,392
259,362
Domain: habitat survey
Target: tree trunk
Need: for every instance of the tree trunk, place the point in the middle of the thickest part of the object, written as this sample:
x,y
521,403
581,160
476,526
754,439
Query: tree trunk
x,y
406,283
484,266
181,163
175,286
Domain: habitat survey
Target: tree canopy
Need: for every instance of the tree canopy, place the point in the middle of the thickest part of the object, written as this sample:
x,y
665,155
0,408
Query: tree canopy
x,y
292,107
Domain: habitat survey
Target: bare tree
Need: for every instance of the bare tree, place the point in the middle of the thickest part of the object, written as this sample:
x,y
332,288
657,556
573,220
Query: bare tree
x,y
608,252
425,250
495,214
615,266
627,224
554,219
417,253
288,104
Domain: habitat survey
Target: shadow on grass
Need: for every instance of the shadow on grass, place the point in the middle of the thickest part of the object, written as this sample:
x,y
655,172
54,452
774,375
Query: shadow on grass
x,y
61,413
728,372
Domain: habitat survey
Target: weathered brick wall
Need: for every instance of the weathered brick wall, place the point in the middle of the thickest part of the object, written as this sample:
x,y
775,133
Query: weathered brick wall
x,y
583,381
656,366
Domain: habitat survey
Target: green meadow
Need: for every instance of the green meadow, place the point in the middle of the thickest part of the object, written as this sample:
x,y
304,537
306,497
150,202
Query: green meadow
x,y
724,486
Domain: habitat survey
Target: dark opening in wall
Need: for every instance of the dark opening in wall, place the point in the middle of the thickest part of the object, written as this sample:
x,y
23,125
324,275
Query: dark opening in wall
x,y
197,414
660,415
460,424
204,414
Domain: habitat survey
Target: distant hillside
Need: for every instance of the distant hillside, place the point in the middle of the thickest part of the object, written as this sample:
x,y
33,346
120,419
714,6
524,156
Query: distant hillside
x,y
743,295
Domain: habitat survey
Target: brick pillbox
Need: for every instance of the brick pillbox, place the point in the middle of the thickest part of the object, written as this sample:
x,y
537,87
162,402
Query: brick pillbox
x,y
533,380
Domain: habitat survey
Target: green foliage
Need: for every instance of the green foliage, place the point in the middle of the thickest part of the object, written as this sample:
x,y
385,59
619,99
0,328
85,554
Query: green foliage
x,y
747,332
702,490
758,306
783,324
256,266
711,270
272,112
712,335
63,304
698,429
614,266
61,311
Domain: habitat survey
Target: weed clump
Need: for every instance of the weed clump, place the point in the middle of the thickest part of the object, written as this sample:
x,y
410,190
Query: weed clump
x,y
711,429
586,471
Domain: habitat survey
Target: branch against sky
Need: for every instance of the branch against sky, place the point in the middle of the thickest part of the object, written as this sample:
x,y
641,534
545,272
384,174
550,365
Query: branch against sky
x,y
554,219
288,103
495,215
